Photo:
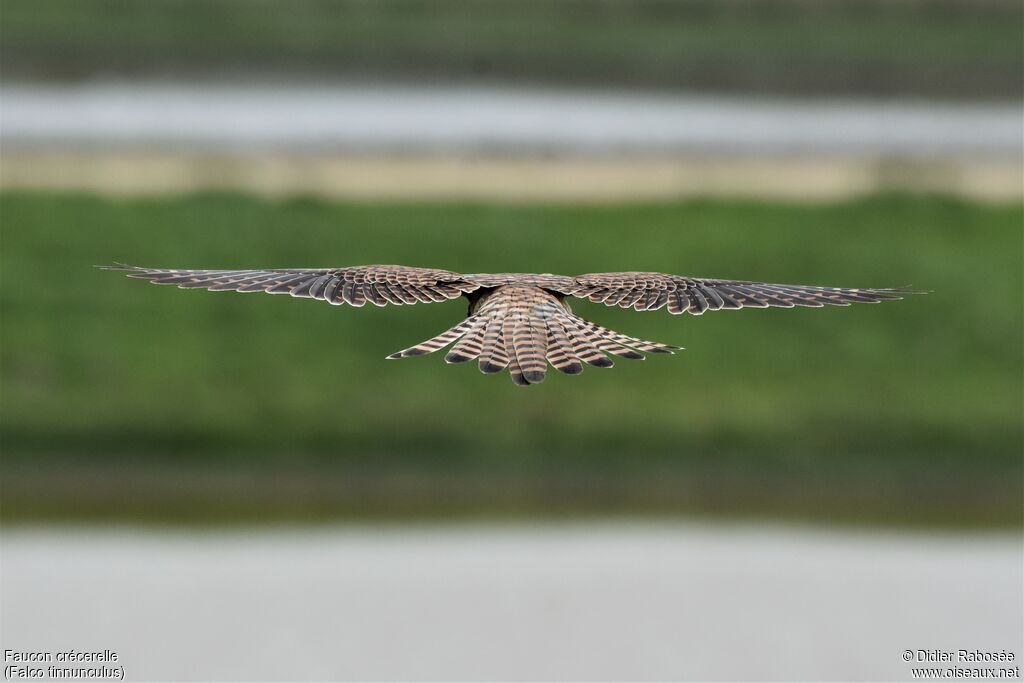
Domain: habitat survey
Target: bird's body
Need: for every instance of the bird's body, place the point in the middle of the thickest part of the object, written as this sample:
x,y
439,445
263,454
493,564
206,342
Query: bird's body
x,y
519,321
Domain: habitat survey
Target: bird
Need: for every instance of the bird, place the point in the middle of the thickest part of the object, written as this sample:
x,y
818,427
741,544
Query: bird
x,y
520,321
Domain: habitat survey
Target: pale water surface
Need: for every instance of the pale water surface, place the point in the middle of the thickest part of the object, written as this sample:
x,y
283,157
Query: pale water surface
x,y
326,117
547,601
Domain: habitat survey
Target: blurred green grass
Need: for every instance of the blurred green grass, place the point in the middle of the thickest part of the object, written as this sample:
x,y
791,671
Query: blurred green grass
x,y
911,408
948,48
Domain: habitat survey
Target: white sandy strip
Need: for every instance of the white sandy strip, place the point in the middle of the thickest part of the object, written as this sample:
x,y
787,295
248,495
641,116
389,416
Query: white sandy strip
x,y
505,179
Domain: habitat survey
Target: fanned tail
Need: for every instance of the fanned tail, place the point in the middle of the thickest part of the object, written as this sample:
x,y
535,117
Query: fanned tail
x,y
525,328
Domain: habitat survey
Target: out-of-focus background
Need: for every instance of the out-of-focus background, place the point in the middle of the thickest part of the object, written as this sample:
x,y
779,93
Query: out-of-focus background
x,y
203,481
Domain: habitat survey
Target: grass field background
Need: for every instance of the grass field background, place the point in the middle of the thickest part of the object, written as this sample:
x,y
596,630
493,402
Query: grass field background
x,y
127,400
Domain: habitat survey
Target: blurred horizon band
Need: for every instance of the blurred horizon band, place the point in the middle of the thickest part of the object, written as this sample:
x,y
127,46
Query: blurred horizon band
x,y
948,49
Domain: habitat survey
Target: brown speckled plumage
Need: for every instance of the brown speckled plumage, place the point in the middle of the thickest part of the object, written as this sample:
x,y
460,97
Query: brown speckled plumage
x,y
519,321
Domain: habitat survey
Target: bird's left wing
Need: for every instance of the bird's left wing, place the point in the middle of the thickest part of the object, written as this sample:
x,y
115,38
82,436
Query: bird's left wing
x,y
652,291
380,285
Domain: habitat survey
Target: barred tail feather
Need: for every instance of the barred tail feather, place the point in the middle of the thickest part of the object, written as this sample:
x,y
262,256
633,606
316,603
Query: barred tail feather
x,y
586,345
623,340
531,344
515,369
436,343
493,357
561,353
470,346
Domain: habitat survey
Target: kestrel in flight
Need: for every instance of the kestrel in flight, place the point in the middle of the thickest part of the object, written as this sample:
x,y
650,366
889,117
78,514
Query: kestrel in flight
x,y
519,321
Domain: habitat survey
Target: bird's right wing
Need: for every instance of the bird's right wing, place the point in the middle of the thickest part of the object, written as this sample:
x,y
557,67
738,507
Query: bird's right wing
x,y
380,284
652,291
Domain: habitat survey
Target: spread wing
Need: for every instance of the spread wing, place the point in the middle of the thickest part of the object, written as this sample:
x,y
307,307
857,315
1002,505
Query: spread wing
x,y
380,285
392,284
652,291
